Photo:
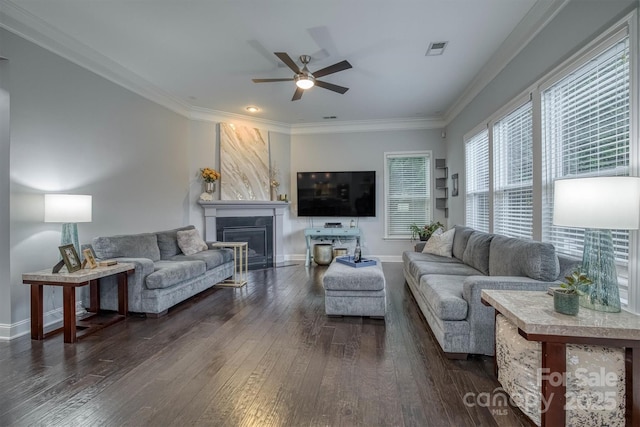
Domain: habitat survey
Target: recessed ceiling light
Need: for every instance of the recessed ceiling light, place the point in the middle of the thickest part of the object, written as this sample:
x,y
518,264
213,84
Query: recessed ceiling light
x,y
252,109
436,48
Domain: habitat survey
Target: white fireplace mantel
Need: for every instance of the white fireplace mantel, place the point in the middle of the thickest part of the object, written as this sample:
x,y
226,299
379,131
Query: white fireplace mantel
x,y
236,208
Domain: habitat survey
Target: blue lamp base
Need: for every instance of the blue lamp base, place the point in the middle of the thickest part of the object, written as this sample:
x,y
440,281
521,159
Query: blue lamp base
x,y
70,236
598,263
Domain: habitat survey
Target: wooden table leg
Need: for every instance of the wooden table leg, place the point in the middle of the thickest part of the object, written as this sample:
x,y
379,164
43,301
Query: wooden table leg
x,y
94,296
123,293
37,314
632,382
69,313
554,367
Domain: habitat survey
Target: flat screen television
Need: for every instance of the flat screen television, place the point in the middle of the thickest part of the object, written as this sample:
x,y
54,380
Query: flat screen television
x,y
337,194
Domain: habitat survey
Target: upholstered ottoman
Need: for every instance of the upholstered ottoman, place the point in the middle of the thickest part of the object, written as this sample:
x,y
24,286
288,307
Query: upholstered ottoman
x,y
351,291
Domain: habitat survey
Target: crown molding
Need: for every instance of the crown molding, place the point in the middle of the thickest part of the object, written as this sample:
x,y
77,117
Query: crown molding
x,y
367,126
203,114
207,115
542,12
24,24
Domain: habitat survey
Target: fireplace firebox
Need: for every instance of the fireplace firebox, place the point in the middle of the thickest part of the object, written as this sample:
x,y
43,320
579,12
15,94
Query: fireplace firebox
x,y
257,231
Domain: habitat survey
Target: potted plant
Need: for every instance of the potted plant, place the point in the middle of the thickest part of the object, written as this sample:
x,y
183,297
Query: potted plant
x,y
566,299
424,232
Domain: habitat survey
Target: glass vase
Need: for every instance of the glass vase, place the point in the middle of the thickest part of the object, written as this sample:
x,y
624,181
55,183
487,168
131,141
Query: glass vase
x,y
598,263
210,187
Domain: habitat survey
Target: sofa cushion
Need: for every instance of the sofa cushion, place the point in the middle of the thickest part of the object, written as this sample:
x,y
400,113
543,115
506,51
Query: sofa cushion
x,y
518,257
417,269
341,277
409,256
440,243
476,254
190,242
168,242
212,258
460,240
444,294
169,273
143,245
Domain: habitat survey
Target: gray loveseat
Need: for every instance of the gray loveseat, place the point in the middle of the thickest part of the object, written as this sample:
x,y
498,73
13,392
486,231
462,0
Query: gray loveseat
x,y
447,290
163,276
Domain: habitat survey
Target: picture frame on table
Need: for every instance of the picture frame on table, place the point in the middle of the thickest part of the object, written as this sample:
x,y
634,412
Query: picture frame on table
x,y
70,257
89,259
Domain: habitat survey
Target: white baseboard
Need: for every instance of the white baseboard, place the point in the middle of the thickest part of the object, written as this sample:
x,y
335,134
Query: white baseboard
x,y
52,320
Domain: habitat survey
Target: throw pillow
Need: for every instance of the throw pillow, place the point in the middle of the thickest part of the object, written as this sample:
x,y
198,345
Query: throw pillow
x,y
190,242
440,244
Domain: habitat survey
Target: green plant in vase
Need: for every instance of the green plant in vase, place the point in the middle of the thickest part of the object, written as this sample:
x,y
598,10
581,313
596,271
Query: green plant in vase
x,y
566,300
424,232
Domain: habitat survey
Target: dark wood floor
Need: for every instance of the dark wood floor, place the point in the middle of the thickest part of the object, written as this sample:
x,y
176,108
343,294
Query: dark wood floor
x,y
262,355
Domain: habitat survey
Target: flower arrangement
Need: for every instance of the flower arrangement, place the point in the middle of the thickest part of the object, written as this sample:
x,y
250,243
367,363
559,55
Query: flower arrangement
x,y
209,175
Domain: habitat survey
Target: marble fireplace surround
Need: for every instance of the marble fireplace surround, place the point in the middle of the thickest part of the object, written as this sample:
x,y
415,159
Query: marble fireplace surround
x,y
238,208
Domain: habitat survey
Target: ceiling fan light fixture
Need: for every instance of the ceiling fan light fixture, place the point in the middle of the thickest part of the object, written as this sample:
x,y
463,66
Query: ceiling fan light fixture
x,y
304,81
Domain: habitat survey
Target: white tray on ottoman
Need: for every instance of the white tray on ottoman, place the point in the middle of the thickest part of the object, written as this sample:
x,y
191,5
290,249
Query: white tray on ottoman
x,y
353,291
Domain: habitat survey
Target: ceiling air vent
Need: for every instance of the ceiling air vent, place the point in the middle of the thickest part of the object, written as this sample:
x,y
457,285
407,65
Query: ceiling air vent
x,y
436,48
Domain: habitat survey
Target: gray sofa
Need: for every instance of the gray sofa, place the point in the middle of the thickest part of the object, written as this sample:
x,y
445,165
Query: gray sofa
x,y
447,290
163,276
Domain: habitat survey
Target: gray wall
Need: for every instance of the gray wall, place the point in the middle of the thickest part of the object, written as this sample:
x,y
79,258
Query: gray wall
x,y
73,131
573,27
357,151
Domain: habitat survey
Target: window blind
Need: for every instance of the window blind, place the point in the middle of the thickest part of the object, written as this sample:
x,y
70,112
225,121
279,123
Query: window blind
x,y
585,119
513,173
477,181
408,198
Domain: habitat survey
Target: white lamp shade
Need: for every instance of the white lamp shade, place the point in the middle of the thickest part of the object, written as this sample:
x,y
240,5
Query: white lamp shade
x,y
67,208
602,202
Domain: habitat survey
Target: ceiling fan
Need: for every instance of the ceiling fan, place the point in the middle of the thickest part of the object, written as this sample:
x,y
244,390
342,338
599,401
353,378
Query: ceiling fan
x,y
305,79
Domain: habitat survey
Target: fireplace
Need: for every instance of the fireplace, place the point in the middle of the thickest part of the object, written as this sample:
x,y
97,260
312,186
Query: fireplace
x,y
257,231
247,219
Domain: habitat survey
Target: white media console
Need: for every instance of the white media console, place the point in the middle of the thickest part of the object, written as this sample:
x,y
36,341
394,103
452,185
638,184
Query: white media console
x,y
327,233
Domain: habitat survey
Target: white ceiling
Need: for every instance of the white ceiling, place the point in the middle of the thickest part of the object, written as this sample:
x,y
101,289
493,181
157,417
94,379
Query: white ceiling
x,y
199,56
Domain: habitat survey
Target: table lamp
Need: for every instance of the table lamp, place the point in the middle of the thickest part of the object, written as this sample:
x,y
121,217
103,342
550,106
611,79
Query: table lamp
x,y
69,209
599,205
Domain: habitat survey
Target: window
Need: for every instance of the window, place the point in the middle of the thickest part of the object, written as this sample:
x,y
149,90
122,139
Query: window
x,y
578,121
586,128
407,192
477,174
513,173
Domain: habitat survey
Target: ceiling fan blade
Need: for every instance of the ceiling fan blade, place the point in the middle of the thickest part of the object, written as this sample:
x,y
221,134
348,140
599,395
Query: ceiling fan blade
x,y
297,94
271,80
331,86
288,61
340,66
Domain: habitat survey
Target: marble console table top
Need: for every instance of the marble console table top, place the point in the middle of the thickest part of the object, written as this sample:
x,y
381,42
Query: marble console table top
x,y
533,313
79,276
